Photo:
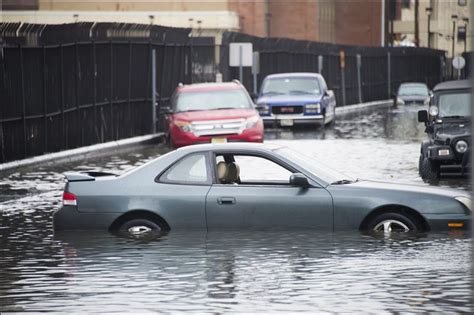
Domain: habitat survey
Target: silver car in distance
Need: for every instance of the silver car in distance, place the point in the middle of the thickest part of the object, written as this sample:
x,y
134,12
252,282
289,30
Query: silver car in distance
x,y
251,186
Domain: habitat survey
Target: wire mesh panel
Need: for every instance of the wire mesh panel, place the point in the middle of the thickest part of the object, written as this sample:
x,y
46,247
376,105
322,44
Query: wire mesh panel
x,y
66,86
285,55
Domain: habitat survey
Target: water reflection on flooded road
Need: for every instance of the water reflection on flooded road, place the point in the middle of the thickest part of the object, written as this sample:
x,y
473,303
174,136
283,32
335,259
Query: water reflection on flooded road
x,y
250,272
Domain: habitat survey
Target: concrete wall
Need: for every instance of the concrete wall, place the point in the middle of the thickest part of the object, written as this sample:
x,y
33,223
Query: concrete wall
x,y
212,22
134,5
441,25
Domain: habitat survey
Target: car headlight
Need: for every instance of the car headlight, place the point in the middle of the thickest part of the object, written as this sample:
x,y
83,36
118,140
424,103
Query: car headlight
x,y
400,101
252,121
183,125
312,108
263,109
433,111
465,201
427,101
461,146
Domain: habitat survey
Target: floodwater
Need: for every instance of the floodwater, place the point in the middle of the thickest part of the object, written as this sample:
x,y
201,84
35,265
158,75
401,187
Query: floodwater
x,y
236,272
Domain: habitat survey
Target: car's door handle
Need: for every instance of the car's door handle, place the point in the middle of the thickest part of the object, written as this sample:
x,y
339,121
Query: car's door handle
x,y
226,200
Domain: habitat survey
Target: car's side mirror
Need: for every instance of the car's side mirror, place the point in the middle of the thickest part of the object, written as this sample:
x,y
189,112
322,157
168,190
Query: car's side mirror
x,y
166,110
423,116
326,95
299,180
430,93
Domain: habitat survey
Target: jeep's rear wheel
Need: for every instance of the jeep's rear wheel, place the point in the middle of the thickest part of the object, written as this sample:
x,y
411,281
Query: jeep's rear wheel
x,y
429,170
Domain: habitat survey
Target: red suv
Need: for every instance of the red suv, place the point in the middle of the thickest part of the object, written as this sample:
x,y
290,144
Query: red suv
x,y
212,113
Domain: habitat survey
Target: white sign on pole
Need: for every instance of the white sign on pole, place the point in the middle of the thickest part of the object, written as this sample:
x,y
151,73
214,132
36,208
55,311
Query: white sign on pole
x,y
459,62
240,54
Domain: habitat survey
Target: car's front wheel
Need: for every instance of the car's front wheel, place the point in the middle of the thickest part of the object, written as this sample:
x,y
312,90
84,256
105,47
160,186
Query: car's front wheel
x,y
429,170
393,222
139,227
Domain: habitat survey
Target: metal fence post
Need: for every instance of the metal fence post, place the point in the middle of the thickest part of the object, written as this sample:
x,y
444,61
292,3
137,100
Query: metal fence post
x,y
23,102
241,69
45,110
76,93
129,86
359,83
389,75
61,75
98,130
342,65
153,91
320,64
112,131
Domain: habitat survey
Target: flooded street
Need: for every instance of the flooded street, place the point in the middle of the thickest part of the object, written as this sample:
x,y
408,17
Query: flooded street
x,y
237,272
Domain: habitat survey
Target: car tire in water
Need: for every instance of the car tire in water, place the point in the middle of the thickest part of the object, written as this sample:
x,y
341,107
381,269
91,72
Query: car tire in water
x,y
429,170
139,226
393,222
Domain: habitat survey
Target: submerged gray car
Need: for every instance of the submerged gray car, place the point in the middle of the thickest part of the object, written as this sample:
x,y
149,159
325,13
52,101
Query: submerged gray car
x,y
251,186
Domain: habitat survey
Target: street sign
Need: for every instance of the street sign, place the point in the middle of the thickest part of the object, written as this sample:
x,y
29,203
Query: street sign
x,y
240,54
459,62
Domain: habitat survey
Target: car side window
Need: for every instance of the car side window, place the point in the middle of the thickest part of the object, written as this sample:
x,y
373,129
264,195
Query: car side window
x,y
251,170
190,170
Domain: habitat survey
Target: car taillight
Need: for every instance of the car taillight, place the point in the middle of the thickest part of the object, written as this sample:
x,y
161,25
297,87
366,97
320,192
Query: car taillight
x,y
69,199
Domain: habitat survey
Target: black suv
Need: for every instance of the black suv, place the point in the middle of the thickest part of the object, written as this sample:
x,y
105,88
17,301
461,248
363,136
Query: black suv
x,y
448,126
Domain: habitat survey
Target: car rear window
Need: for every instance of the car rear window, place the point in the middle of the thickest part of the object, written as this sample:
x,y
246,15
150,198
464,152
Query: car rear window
x,y
190,170
212,100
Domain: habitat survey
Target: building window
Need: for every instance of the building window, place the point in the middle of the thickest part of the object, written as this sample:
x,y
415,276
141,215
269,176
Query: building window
x,y
462,3
406,4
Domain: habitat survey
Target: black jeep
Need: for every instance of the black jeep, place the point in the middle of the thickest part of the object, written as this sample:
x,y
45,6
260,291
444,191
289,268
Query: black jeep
x,y
448,126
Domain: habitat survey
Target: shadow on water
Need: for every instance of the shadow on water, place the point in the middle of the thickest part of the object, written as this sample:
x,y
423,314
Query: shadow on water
x,y
236,271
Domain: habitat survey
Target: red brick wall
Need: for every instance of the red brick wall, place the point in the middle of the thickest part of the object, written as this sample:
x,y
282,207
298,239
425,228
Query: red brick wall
x,y
294,19
358,22
252,16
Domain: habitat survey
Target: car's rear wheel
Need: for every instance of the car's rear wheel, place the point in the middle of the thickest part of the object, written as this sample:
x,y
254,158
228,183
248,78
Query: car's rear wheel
x,y
429,170
139,227
393,222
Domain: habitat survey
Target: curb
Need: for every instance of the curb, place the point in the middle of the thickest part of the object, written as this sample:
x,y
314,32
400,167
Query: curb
x,y
79,153
357,107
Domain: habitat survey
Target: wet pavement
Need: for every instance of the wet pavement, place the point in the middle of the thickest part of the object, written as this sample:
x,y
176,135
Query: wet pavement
x,y
250,272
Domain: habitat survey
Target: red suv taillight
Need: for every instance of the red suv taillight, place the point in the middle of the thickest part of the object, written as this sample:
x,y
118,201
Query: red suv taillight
x,y
69,199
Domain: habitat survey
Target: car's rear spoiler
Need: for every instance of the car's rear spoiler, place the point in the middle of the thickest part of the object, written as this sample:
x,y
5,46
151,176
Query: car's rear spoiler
x,y
85,176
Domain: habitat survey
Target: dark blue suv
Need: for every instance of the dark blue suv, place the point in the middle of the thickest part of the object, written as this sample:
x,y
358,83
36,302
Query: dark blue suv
x,y
287,99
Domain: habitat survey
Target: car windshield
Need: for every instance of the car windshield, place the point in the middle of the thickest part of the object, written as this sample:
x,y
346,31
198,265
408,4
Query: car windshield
x,y
420,90
211,100
316,168
281,86
453,105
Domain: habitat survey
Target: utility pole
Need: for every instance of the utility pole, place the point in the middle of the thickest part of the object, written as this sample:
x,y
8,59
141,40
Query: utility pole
x,y
454,17
466,22
417,27
428,13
